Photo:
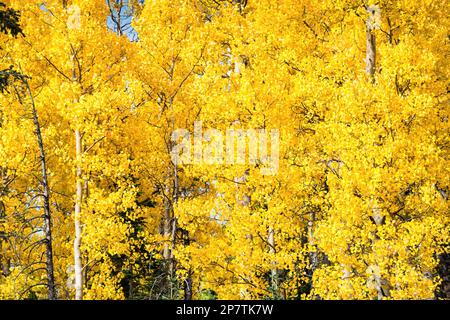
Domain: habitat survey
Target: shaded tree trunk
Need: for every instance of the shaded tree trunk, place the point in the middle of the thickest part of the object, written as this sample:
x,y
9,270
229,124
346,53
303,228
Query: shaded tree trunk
x,y
46,200
188,287
443,291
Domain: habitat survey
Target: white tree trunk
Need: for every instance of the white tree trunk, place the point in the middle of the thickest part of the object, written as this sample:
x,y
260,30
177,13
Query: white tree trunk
x,y
77,221
371,25
274,270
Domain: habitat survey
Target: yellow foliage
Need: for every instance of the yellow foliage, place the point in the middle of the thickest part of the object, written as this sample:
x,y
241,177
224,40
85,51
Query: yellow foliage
x,y
358,207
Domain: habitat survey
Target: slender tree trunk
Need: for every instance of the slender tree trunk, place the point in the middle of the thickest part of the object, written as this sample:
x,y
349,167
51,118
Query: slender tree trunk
x,y
77,221
170,223
370,53
168,233
167,226
46,200
381,284
274,271
188,282
188,287
370,43
4,261
169,230
174,219
313,254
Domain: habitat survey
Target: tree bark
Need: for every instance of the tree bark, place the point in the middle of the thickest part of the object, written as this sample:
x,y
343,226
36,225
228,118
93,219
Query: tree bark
x,y
381,284
370,43
46,200
188,287
313,254
274,271
77,221
169,228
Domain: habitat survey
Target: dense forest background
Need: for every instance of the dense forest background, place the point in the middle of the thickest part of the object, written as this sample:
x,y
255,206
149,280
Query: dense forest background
x,y
93,205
